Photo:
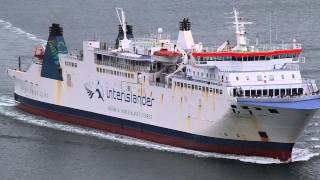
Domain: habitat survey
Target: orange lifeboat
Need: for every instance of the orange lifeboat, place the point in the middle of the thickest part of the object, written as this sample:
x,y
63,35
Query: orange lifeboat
x,y
167,56
166,53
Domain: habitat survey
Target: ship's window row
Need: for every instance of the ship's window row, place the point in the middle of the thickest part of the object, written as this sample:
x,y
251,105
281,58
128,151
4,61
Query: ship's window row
x,y
201,74
198,87
115,73
245,58
71,64
268,92
107,60
269,77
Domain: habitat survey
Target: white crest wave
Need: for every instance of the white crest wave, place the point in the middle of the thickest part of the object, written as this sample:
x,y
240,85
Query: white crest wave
x,y
8,26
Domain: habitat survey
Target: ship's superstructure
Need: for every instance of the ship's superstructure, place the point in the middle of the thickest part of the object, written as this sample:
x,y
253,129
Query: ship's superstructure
x,y
238,99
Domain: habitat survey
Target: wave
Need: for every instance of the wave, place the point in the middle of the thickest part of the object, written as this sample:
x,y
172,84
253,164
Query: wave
x,y
8,26
5,101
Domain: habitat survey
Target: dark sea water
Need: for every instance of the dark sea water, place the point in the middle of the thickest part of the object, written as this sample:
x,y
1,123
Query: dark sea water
x,y
32,147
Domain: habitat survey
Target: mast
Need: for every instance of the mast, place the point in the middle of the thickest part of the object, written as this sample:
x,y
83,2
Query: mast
x,y
241,33
124,43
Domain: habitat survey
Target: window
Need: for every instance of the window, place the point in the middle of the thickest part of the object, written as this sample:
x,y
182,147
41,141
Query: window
x,y
282,76
247,92
253,92
270,92
259,78
294,91
293,76
265,92
237,78
247,78
245,107
288,92
271,78
276,92
259,92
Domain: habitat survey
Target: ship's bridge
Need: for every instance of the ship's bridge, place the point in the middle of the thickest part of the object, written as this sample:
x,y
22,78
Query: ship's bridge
x,y
256,58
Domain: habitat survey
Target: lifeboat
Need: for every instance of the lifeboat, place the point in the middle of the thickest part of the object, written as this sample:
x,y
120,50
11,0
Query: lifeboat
x,y
165,55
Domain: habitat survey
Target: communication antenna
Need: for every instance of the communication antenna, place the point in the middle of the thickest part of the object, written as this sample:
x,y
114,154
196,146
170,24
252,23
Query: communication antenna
x,y
270,29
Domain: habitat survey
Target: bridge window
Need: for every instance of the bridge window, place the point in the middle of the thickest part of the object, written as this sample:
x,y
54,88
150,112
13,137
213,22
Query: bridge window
x,y
262,58
283,56
251,58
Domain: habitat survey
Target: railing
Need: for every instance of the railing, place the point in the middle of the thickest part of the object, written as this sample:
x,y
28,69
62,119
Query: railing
x,y
261,48
127,67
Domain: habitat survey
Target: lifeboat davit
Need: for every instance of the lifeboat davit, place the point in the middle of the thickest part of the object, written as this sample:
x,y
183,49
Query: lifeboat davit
x,y
165,55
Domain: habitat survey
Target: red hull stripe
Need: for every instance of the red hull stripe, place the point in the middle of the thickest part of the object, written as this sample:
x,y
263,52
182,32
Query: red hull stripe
x,y
245,54
280,151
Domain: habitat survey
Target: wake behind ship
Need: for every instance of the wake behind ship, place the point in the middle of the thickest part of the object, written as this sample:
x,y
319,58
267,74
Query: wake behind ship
x,y
237,99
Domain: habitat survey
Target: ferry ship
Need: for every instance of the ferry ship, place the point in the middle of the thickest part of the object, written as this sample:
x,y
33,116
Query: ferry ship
x,y
236,99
